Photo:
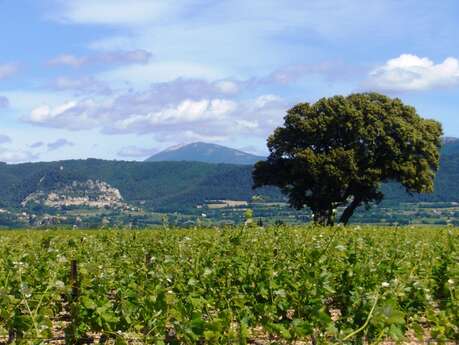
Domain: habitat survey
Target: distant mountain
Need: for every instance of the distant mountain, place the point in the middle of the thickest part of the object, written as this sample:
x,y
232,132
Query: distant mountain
x,y
449,140
450,146
205,152
172,186
167,186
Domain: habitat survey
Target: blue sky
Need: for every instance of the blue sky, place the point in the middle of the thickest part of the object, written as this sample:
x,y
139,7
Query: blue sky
x,y
118,79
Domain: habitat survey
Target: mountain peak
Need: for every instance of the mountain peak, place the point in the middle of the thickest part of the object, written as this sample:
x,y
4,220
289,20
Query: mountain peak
x,y
450,145
174,147
205,152
449,140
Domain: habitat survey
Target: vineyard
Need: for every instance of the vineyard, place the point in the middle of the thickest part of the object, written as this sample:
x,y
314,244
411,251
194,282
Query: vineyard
x,y
279,285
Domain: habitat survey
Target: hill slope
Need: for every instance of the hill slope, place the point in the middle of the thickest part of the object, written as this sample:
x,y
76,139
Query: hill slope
x,y
175,186
450,146
157,185
204,152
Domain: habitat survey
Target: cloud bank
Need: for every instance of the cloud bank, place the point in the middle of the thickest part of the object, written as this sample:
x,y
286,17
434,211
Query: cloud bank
x,y
85,85
4,139
412,73
181,109
13,155
120,57
136,152
16,156
59,143
7,70
4,102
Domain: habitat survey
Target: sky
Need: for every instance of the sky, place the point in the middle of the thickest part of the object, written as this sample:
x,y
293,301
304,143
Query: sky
x,y
117,79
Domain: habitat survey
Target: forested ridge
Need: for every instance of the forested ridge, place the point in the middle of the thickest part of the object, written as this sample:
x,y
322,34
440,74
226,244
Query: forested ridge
x,y
180,185
161,185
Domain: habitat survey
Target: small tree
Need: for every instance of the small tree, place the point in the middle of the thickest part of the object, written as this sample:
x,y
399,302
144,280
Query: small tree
x,y
338,151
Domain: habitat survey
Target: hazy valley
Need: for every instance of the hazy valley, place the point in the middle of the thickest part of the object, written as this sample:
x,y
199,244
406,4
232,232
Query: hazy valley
x,y
186,191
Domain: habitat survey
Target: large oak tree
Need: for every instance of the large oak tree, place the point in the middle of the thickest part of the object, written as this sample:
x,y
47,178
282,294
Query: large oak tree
x,y
339,150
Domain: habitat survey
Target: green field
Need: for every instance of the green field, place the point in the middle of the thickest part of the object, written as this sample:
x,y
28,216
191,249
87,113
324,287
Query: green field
x,y
230,285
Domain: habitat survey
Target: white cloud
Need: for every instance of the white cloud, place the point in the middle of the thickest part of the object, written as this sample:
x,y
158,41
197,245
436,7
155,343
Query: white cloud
x,y
162,104
189,109
227,86
247,124
331,70
208,39
136,152
44,113
117,57
4,102
88,113
255,150
7,70
137,56
175,91
263,100
187,112
37,144
166,118
266,15
59,143
4,139
72,115
194,135
119,12
81,86
22,100
16,156
12,155
412,73
161,71
67,60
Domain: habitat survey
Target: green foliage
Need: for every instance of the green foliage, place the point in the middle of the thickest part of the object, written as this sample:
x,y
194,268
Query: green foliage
x,y
163,186
342,148
227,286
248,214
179,186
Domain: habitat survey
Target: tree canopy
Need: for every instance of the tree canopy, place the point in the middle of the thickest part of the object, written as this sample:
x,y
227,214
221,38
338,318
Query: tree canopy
x,y
337,152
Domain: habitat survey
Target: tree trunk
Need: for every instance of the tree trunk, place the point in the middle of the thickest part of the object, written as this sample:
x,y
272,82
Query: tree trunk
x,y
349,211
324,217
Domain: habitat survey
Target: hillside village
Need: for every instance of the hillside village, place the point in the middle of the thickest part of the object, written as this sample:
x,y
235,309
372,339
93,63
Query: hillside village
x,y
58,199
